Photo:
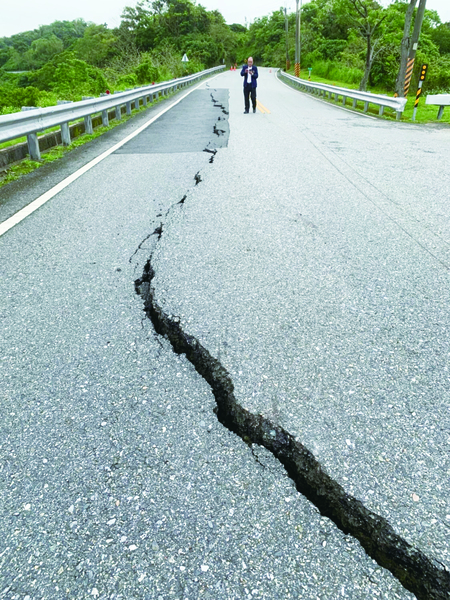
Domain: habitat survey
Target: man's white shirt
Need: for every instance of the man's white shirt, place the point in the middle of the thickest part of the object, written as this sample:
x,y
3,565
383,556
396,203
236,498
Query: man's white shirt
x,y
249,77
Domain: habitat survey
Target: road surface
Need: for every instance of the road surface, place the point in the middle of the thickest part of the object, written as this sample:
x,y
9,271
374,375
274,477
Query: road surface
x,y
303,251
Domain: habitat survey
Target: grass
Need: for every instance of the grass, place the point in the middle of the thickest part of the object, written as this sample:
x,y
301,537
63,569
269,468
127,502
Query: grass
x,y
425,113
27,166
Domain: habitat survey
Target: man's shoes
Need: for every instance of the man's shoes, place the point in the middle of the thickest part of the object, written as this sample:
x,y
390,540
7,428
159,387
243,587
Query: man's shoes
x,y
245,112
254,110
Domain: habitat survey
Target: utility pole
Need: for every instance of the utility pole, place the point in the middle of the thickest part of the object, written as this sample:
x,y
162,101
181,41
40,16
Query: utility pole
x,y
414,45
298,16
288,62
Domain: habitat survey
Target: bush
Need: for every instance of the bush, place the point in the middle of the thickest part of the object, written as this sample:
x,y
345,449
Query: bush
x,y
146,73
339,72
18,97
191,67
47,99
127,81
8,110
438,76
77,77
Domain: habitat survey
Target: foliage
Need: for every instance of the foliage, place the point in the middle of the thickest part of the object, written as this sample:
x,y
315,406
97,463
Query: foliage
x,y
183,25
265,40
146,72
10,96
336,71
32,49
75,76
69,77
440,36
96,46
127,81
346,40
332,33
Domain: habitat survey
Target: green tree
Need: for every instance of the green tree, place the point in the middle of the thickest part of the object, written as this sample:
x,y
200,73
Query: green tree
x,y
77,77
181,25
69,76
266,36
32,49
96,46
441,37
44,49
367,18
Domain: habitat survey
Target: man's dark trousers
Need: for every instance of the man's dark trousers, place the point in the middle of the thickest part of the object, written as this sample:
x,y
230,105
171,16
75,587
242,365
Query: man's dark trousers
x,y
249,91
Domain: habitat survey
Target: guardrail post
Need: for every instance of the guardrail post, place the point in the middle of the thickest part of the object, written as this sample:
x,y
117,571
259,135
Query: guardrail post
x,y
381,111
88,128
128,104
118,111
105,118
366,106
440,113
32,140
344,100
33,146
65,129
144,101
355,102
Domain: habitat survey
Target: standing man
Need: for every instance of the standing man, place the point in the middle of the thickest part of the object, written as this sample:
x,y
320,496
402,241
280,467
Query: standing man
x,y
250,74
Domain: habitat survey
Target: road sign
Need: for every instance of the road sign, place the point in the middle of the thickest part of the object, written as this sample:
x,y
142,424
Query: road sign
x,y
423,73
422,77
185,58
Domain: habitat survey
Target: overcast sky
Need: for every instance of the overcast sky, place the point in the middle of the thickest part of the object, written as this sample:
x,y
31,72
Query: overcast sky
x,y
23,15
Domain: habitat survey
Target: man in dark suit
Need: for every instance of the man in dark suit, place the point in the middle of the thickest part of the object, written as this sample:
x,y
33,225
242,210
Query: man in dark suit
x,y
250,74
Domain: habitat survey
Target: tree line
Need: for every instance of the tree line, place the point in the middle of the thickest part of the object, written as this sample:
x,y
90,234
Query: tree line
x,y
69,59
353,41
356,41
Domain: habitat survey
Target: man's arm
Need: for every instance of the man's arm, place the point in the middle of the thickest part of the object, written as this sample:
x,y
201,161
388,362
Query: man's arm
x,y
255,72
243,73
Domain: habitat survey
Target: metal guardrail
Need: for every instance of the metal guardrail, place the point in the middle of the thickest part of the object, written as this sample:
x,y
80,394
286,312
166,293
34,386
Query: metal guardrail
x,y
32,121
323,89
441,100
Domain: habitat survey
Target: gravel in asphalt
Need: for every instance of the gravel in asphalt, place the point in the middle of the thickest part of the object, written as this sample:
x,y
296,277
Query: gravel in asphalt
x,y
325,299
116,479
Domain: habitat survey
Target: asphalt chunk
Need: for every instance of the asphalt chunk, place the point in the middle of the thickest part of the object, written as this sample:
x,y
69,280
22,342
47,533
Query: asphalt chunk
x,y
186,127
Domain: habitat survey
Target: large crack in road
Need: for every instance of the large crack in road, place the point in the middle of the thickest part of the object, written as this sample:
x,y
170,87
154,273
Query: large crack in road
x,y
419,574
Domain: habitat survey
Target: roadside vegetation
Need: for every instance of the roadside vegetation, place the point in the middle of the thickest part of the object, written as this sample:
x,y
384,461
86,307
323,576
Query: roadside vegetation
x,y
355,42
70,59
352,43
358,44
425,114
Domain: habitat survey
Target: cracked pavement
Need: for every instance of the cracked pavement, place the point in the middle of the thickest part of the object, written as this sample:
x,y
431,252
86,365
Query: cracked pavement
x,y
117,479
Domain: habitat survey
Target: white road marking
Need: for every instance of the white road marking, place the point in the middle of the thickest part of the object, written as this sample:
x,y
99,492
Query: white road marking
x,y
352,112
28,210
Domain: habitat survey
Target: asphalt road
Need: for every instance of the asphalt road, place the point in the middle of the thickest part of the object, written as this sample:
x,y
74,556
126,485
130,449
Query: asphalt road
x,y
308,256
